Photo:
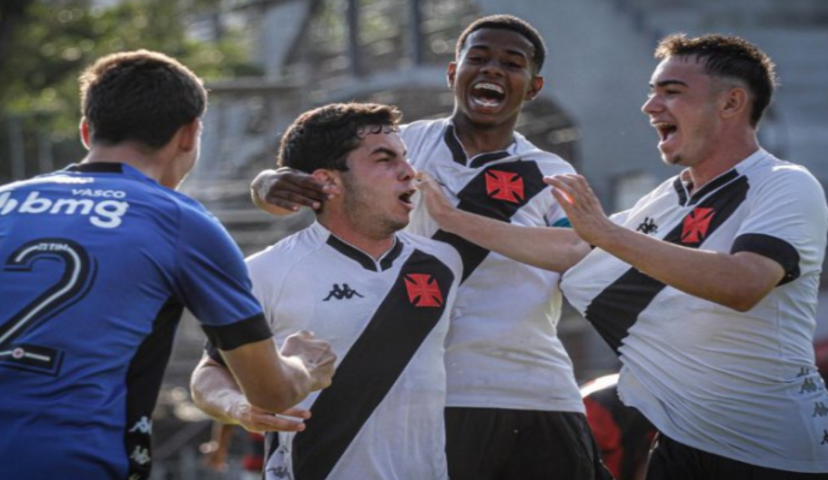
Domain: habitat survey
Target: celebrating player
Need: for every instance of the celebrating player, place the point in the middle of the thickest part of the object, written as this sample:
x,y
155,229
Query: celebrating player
x,y
514,410
712,306
381,296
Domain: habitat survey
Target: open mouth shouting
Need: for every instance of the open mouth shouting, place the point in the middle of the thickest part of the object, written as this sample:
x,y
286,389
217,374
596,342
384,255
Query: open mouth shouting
x,y
666,131
487,95
405,198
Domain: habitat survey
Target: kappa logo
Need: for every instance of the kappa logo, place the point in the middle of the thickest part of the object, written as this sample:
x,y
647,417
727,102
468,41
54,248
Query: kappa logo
x,y
423,290
144,425
506,186
648,226
141,456
344,292
825,438
280,472
820,410
808,386
696,225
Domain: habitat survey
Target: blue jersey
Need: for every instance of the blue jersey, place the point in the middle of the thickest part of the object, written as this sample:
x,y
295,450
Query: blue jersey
x,y
97,263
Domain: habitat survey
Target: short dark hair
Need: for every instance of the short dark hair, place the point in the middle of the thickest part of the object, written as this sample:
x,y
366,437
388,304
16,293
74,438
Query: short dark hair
x,y
727,56
506,22
139,96
323,137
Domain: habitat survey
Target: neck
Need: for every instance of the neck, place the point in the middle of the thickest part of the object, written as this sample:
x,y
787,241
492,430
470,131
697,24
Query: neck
x,y
728,155
478,138
375,245
128,154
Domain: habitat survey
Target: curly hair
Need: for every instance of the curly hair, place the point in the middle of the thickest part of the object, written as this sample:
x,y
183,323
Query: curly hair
x,y
323,137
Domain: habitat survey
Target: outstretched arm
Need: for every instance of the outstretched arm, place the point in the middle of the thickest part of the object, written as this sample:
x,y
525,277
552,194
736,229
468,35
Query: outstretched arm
x,y
216,392
738,281
283,191
260,380
550,248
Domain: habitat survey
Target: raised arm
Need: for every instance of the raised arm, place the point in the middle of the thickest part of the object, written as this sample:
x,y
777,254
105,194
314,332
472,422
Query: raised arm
x,y
739,280
283,191
550,248
260,382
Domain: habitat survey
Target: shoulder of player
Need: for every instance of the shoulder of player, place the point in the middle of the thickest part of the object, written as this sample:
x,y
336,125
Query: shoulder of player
x,y
783,178
420,127
548,162
292,249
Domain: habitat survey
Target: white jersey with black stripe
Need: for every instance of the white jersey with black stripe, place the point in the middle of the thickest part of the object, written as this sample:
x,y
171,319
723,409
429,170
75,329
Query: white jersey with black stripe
x,y
740,385
503,350
382,418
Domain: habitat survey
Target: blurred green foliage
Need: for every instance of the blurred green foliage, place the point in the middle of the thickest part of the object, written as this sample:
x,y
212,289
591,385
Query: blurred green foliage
x,y
45,44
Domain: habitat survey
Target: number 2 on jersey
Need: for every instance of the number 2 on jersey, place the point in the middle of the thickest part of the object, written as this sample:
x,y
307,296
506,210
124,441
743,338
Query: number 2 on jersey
x,y
78,272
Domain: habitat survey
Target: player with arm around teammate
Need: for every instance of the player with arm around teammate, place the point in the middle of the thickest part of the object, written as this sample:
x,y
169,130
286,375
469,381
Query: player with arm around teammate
x,y
99,261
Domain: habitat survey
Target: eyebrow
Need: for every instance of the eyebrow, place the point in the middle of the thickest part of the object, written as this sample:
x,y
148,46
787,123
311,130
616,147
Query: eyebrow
x,y
509,51
667,83
387,151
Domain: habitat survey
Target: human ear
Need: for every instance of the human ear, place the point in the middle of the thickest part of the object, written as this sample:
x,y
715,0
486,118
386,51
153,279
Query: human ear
x,y
735,102
85,133
189,133
451,71
535,86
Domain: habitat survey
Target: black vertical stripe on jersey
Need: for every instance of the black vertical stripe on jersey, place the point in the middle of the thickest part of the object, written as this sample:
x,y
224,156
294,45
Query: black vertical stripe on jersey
x,y
368,371
615,310
474,198
143,381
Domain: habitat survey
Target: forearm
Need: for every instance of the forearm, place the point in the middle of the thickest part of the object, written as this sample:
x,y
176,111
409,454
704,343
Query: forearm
x,y
259,188
736,281
215,391
550,248
268,380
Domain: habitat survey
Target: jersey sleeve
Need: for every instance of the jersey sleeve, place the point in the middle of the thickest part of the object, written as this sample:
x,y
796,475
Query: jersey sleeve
x,y
787,222
214,285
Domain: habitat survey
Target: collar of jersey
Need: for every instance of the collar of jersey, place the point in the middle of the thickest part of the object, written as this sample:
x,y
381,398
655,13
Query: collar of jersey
x,y
107,167
723,179
367,261
458,153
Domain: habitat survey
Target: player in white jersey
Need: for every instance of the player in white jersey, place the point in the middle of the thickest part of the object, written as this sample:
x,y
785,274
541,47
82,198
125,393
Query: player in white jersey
x,y
707,287
514,409
383,298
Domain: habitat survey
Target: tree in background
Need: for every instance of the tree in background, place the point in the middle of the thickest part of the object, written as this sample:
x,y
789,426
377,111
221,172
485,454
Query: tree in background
x,y
44,44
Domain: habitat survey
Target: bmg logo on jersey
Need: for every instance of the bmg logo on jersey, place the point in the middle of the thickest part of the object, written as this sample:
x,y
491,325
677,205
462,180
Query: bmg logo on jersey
x,y
102,213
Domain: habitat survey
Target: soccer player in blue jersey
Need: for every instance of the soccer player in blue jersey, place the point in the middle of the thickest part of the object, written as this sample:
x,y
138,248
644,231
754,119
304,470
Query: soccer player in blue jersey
x,y
98,262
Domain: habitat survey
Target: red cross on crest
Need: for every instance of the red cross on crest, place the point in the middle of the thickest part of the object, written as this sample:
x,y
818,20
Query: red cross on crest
x,y
696,225
506,186
423,290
